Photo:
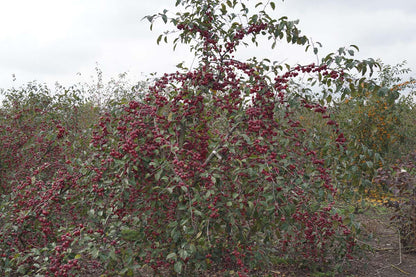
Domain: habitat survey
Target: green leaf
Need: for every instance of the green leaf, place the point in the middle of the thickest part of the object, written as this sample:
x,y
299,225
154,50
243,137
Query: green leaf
x,y
157,175
273,5
329,99
91,212
126,272
95,253
246,138
183,254
164,18
223,9
192,248
196,212
113,255
258,4
355,46
173,224
175,235
130,234
178,267
171,256
250,204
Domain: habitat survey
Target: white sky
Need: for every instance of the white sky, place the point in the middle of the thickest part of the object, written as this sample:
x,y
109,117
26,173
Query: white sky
x,y
50,40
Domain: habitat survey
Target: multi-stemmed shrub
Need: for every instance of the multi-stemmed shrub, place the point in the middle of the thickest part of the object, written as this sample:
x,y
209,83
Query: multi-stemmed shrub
x,y
211,171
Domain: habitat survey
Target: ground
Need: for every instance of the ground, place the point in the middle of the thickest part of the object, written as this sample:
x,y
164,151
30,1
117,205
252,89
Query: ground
x,y
383,257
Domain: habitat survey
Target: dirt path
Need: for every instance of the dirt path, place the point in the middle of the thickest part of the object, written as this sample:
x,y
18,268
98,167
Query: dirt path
x,y
386,257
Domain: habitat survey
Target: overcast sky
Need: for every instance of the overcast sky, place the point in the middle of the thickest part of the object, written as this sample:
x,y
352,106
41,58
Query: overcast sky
x,y
50,40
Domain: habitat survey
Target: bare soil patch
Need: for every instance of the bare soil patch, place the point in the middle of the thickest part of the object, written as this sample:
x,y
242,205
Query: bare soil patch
x,y
385,256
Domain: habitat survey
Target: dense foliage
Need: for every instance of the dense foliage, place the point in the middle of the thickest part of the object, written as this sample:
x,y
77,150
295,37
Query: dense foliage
x,y
231,166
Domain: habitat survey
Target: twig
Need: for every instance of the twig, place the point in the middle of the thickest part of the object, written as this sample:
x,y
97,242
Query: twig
x,y
209,241
384,249
214,152
400,258
399,269
400,248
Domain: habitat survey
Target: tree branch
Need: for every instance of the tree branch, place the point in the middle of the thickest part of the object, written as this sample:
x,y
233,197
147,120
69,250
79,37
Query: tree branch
x,y
214,152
